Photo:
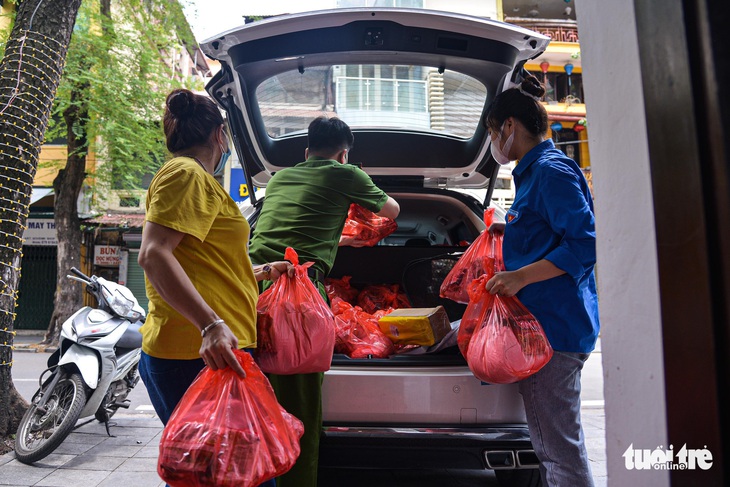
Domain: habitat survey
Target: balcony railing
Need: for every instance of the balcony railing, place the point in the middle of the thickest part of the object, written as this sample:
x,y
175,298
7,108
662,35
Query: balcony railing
x,y
380,94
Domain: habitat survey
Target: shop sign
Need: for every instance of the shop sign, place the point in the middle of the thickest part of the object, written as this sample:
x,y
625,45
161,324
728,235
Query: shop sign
x,y
40,232
238,189
107,255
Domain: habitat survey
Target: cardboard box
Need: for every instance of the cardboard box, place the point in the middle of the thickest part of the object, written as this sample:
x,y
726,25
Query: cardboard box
x,y
416,326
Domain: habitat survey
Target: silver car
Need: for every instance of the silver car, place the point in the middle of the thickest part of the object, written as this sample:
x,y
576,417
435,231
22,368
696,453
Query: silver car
x,y
413,85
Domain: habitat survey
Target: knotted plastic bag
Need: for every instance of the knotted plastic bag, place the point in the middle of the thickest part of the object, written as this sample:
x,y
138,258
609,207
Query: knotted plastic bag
x,y
382,296
358,333
341,288
363,228
477,260
296,330
228,431
509,343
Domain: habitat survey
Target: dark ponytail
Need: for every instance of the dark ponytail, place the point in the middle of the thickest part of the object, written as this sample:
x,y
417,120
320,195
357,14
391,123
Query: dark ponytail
x,y
189,119
523,104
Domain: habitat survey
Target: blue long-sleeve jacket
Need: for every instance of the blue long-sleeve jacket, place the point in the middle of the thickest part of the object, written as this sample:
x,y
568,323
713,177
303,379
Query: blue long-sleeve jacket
x,y
552,218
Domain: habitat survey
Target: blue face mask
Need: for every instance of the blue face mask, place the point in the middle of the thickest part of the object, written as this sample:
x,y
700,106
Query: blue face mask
x,y
222,163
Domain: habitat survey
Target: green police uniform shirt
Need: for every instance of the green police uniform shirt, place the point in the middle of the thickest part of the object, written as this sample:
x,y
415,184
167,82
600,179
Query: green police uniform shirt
x,y
306,207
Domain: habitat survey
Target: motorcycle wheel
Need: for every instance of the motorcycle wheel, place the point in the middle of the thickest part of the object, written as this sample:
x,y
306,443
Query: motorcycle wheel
x,y
41,431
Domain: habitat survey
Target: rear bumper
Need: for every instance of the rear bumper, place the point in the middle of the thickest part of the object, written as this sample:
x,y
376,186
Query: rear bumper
x,y
493,447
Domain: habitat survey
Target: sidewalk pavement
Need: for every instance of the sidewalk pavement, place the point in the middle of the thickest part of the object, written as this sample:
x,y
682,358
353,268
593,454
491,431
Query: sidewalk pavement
x,y
90,458
594,427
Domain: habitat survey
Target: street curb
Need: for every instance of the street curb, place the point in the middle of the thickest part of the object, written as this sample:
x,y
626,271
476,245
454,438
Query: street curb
x,y
29,348
24,341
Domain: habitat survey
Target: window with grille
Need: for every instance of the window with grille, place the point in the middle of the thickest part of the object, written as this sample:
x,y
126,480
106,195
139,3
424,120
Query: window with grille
x,y
406,97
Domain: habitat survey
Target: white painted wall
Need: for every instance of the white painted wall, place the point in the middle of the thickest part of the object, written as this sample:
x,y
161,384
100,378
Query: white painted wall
x,y
627,273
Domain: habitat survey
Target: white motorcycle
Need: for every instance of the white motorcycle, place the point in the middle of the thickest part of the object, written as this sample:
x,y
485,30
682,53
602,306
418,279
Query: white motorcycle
x,y
92,372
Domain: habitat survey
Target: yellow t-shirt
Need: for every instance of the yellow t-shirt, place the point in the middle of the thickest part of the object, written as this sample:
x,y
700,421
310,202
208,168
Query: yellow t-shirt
x,y
213,253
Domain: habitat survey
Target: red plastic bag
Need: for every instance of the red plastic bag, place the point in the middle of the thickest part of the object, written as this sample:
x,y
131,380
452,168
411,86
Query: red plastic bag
x,y
296,329
478,259
476,311
358,332
341,288
228,431
363,228
510,345
339,305
382,296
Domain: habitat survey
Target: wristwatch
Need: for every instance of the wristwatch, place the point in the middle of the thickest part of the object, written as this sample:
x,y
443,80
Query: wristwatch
x,y
267,271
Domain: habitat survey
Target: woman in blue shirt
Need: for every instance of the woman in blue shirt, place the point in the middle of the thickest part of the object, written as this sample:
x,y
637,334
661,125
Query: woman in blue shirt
x,y
549,252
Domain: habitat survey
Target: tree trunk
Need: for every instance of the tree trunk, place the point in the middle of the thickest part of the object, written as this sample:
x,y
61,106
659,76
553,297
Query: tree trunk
x,y
29,76
67,187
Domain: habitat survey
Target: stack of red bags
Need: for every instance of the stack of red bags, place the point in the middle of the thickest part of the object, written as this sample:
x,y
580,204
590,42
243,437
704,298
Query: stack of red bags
x,y
357,332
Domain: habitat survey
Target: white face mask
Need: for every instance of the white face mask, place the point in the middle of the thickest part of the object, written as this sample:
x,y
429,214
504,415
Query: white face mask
x,y
501,155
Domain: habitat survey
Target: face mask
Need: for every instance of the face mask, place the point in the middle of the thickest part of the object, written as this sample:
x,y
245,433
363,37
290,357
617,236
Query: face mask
x,y
500,155
222,163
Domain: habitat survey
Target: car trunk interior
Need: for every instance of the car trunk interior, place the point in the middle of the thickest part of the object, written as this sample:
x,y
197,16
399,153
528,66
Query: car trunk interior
x,y
434,229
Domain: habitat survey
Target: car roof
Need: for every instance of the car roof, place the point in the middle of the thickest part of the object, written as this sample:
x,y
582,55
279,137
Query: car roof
x,y
489,52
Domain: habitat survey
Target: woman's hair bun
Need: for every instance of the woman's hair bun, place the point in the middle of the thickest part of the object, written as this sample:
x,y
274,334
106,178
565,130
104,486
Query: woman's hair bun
x,y
532,86
181,102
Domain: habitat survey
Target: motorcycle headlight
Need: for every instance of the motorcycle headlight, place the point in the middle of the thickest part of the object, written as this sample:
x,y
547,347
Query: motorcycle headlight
x,y
121,305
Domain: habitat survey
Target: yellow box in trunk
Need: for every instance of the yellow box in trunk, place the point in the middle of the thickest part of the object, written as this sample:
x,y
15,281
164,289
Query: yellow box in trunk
x,y
416,326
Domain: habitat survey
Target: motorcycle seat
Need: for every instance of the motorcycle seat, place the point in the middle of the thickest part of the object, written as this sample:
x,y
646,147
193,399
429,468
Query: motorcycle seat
x,y
132,338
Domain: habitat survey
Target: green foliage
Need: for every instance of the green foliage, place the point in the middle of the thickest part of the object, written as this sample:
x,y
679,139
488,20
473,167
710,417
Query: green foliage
x,y
7,19
117,75
253,18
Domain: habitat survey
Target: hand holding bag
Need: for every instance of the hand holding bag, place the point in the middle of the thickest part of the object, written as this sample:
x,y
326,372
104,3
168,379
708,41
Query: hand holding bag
x,y
228,431
509,343
477,260
363,228
296,328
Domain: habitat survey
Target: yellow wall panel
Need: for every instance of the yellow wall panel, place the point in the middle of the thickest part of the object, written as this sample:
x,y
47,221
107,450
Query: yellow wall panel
x,y
51,159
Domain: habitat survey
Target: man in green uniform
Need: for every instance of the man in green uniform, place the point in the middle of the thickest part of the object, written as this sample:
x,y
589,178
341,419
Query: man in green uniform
x,y
305,208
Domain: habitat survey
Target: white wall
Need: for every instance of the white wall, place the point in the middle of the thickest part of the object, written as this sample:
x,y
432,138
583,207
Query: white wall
x,y
627,262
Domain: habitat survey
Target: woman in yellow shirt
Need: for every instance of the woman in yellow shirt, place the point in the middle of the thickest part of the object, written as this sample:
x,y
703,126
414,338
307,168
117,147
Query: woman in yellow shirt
x,y
201,286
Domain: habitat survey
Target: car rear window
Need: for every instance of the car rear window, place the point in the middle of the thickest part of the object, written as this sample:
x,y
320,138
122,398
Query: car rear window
x,y
387,96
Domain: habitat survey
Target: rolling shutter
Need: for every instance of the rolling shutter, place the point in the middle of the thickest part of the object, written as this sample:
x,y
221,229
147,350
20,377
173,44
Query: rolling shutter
x,y
36,288
135,278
